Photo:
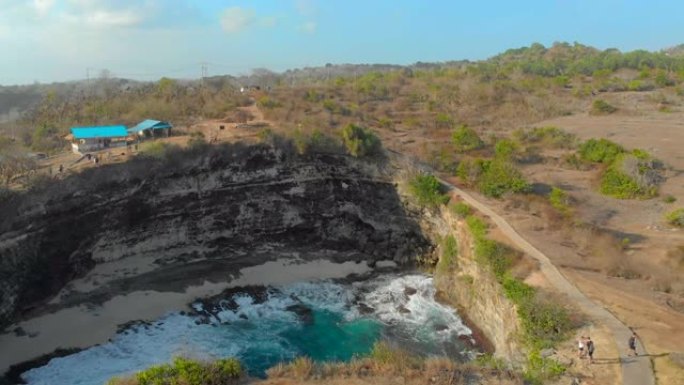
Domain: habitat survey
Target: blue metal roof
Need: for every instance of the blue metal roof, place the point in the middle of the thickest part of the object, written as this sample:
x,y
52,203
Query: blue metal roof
x,y
99,132
149,124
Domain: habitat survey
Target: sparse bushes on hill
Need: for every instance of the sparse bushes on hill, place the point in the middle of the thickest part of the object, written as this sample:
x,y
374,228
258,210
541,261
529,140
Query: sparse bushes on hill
x,y
427,190
360,141
449,253
186,372
466,139
675,218
552,137
601,107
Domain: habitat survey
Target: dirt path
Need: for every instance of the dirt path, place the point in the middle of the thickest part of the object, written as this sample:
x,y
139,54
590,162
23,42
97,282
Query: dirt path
x,y
635,370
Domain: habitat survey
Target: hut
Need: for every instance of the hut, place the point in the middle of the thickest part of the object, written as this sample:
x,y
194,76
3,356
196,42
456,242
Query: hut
x,y
86,139
151,128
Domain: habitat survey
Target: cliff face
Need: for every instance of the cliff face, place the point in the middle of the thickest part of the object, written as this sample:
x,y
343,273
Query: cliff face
x,y
233,207
473,288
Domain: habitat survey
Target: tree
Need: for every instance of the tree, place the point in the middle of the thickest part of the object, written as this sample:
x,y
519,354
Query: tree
x,y
466,139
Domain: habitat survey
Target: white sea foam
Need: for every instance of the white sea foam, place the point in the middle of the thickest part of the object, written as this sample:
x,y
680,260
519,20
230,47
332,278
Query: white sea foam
x,y
260,327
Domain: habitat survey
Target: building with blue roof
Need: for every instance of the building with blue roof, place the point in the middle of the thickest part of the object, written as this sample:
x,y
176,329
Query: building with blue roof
x,y
150,127
86,139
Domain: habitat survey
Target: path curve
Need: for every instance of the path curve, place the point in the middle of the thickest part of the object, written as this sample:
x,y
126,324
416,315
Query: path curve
x,y
635,370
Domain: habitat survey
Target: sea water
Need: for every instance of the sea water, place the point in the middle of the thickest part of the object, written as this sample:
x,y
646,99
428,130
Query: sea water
x,y
343,320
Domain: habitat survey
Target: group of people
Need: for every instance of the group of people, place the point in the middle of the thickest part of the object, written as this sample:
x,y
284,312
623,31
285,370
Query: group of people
x,y
585,348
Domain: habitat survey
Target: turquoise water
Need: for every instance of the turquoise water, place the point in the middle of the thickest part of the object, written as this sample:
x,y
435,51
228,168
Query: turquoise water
x,y
339,322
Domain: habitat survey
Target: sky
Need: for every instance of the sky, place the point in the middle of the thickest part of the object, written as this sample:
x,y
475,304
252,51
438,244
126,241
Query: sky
x,y
60,40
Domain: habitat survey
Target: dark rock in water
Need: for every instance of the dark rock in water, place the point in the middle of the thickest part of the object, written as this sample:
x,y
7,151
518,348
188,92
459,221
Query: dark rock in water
x,y
304,313
365,309
440,327
19,332
132,325
243,316
409,291
211,306
403,310
13,375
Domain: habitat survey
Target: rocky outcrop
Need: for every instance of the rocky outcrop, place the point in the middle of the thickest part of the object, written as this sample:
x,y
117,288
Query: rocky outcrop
x,y
209,211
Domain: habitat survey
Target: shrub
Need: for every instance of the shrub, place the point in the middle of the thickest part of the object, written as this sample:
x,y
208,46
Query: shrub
x,y
461,209
427,190
601,107
268,103
631,176
477,227
550,136
675,218
559,200
466,139
187,372
500,177
516,290
600,151
360,141
449,254
539,370
669,199
505,148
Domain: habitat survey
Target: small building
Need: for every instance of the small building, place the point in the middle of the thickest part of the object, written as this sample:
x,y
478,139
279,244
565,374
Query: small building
x,y
150,128
86,139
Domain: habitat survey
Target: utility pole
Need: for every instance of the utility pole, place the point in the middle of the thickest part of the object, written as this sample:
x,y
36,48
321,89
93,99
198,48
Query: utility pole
x,y
205,71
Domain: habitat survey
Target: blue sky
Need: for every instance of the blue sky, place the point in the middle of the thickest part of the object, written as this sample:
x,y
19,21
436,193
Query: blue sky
x,y
54,40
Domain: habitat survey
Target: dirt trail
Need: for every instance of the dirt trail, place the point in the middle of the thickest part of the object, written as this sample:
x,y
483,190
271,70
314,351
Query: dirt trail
x,y
635,370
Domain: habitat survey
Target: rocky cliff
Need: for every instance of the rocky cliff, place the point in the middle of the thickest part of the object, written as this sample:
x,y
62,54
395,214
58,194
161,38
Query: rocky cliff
x,y
207,212
472,288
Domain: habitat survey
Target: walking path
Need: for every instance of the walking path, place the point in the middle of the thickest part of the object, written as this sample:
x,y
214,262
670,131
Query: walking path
x,y
635,370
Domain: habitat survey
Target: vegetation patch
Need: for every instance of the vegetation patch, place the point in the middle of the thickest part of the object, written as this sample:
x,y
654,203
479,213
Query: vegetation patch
x,y
448,260
600,151
601,107
560,201
187,372
492,177
550,136
427,190
360,141
675,218
466,139
461,209
631,176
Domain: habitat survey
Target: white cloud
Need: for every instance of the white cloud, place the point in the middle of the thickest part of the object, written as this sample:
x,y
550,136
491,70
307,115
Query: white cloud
x,y
104,18
306,7
43,7
236,19
308,27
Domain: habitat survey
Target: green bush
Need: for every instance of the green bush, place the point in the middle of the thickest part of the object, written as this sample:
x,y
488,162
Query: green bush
x,y
539,370
427,190
669,199
549,136
631,176
466,139
600,151
675,218
360,141
268,103
449,253
559,200
601,107
516,290
505,149
187,372
477,227
492,177
461,209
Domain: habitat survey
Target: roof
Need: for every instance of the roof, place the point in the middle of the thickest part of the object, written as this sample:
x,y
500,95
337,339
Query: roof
x,y
149,124
99,132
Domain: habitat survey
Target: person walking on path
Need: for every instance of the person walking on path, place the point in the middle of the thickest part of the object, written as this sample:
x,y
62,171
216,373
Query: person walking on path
x,y
632,343
580,347
590,349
